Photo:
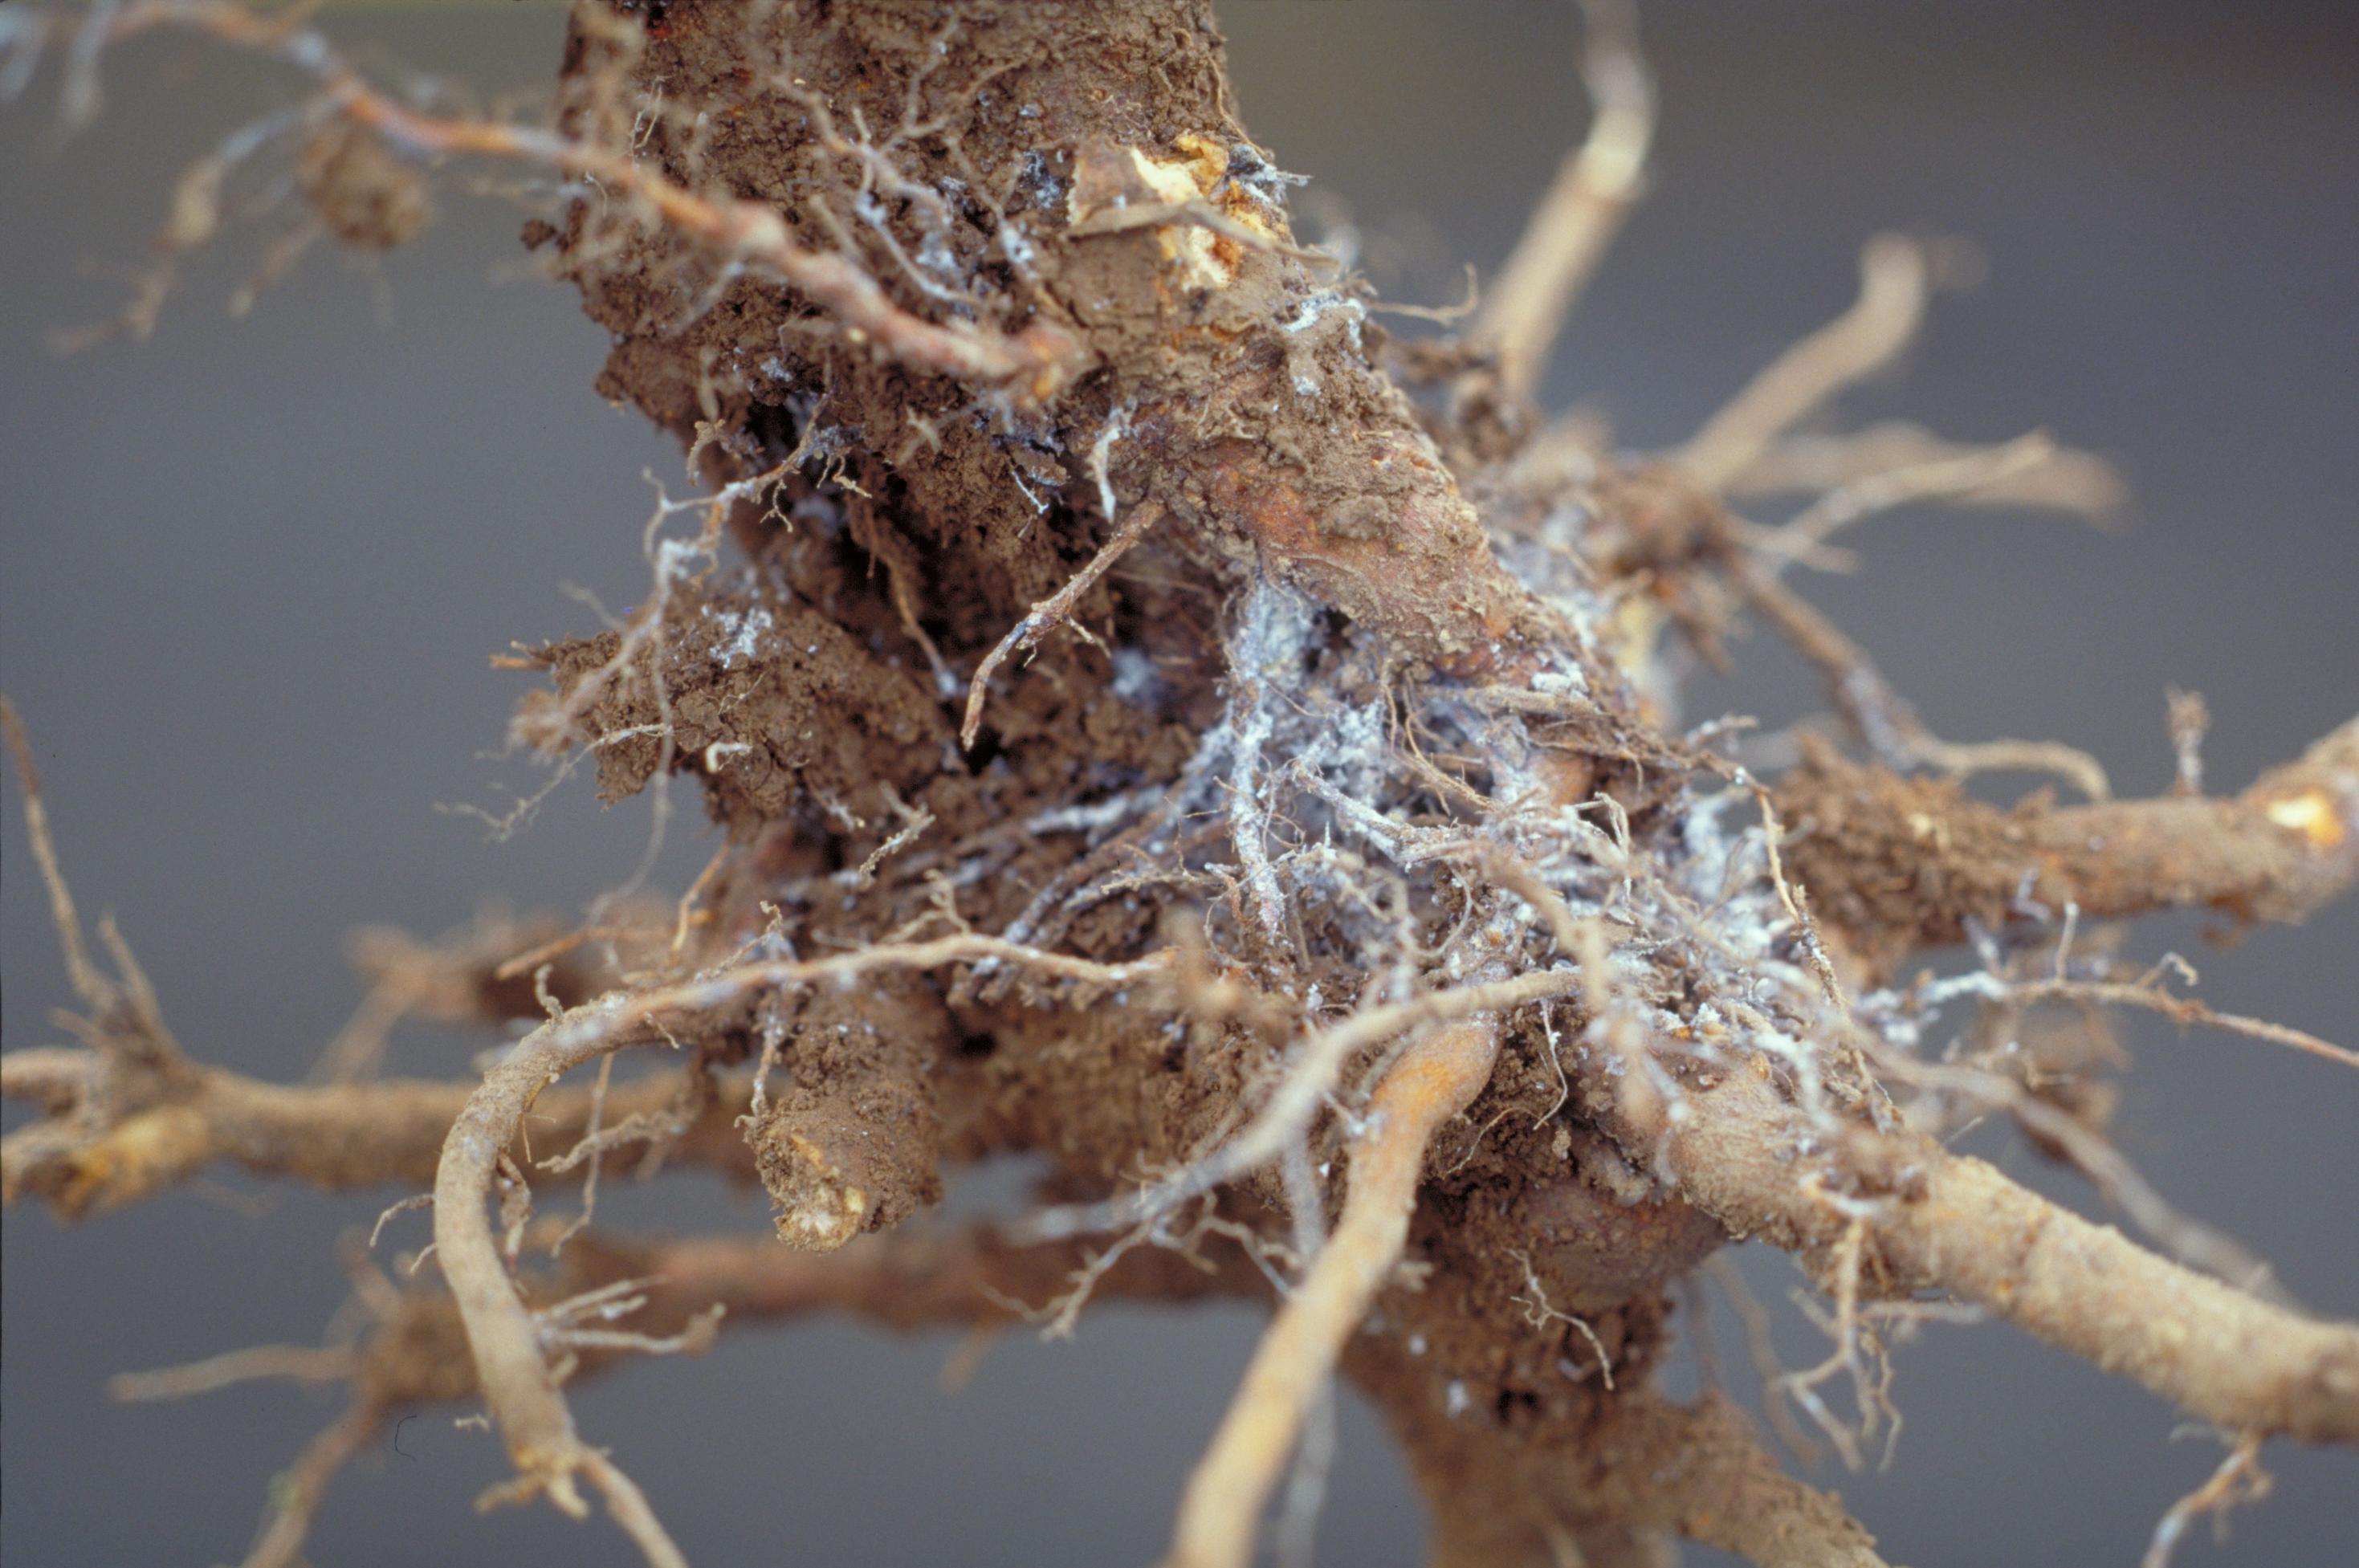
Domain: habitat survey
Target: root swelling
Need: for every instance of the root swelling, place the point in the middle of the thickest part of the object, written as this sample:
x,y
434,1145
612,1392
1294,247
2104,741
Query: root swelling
x,y
1147,734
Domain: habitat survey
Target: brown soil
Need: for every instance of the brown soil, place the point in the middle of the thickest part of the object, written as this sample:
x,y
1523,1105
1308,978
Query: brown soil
x,y
1311,843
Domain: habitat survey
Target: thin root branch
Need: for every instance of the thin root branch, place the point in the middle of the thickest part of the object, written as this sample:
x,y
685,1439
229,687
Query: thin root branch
x,y
1583,209
1434,1080
1051,613
1895,274
2238,1482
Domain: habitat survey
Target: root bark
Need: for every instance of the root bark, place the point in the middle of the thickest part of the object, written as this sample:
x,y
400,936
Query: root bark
x,y
1360,818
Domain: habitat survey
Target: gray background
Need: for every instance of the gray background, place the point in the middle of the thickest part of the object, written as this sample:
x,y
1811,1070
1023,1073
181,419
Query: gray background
x,y
253,569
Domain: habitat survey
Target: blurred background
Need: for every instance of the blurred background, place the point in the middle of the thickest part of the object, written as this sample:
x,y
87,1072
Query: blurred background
x,y
253,569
